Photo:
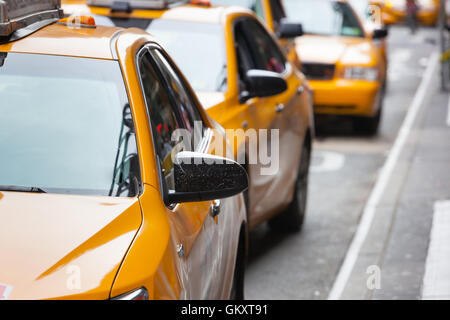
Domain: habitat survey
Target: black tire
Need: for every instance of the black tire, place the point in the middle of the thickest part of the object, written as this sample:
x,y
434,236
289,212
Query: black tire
x,y
291,220
369,125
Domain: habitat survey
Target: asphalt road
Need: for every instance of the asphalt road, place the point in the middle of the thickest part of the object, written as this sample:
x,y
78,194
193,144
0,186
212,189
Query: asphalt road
x,y
344,171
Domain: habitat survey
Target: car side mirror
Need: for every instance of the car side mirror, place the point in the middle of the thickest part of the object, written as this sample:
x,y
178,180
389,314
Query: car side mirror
x,y
288,30
203,177
262,83
380,33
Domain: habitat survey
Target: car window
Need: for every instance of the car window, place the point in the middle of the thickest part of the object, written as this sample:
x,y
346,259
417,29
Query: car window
x,y
185,104
361,8
258,9
277,13
164,120
266,53
197,48
244,55
254,5
249,4
66,126
324,17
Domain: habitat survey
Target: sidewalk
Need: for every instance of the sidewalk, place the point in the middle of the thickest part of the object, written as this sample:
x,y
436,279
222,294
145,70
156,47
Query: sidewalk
x,y
399,236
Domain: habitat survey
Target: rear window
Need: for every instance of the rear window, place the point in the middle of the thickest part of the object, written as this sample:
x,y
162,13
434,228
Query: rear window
x,y
254,5
197,48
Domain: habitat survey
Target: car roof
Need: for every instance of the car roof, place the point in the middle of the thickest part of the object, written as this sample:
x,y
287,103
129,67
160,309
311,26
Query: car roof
x,y
59,39
183,12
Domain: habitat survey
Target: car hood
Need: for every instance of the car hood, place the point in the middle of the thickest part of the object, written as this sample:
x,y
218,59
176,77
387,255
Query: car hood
x,y
331,50
60,246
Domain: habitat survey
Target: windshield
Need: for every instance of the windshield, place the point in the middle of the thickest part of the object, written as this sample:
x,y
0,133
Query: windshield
x,y
254,5
324,17
361,8
65,126
197,48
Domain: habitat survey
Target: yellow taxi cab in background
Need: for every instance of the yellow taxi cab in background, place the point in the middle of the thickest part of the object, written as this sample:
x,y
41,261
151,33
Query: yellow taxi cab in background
x,y
97,199
340,60
246,84
394,11
274,17
371,18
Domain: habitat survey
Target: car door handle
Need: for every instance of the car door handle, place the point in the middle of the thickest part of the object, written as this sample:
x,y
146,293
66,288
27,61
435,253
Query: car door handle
x,y
215,208
300,90
279,108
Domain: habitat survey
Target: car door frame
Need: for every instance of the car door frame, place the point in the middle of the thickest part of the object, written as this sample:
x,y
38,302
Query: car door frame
x,y
217,239
230,223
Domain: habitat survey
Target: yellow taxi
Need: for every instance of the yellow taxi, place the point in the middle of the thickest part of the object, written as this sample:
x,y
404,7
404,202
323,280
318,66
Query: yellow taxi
x,y
341,61
394,11
371,19
98,198
246,84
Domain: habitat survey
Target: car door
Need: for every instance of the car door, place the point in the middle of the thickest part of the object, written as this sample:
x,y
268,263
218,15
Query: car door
x,y
282,113
193,230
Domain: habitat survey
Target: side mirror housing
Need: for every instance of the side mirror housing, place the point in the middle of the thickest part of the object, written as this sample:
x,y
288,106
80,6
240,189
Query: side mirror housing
x,y
288,30
262,83
380,33
203,177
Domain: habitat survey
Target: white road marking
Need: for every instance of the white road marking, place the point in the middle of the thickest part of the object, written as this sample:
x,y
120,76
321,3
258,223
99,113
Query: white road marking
x,y
382,182
400,56
423,62
436,282
331,161
398,64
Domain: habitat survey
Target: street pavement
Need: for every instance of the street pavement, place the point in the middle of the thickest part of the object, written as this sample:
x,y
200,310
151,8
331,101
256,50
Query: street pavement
x,y
391,249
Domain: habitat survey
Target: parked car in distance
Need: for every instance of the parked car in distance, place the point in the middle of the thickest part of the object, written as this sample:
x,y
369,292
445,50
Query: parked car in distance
x,y
371,18
394,11
342,63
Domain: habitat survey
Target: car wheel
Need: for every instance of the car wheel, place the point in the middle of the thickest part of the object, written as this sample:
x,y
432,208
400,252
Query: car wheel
x,y
367,126
291,220
370,125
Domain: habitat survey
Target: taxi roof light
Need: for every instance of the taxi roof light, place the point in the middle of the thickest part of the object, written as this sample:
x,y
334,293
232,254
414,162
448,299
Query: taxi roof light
x,y
205,3
78,21
135,4
27,14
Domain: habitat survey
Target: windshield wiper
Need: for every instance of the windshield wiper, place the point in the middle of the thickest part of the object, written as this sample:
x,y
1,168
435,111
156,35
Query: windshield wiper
x,y
22,189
